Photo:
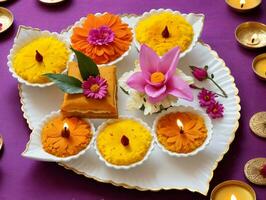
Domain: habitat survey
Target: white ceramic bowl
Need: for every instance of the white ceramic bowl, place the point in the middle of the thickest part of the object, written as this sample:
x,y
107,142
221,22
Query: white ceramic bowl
x,y
79,24
110,121
26,35
34,149
190,109
195,20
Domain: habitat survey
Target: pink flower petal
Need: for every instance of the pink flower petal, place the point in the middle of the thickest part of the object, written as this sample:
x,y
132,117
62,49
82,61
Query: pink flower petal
x,y
168,62
154,100
149,61
137,82
153,91
179,88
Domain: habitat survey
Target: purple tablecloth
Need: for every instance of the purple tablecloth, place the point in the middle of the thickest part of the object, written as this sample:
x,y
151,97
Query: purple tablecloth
x,y
21,178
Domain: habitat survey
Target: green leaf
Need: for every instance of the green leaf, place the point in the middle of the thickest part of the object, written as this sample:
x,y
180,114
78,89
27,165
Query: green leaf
x,y
67,84
86,65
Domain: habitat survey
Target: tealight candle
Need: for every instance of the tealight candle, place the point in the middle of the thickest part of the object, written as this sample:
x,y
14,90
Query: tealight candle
x,y
259,66
251,35
51,1
233,190
243,5
6,19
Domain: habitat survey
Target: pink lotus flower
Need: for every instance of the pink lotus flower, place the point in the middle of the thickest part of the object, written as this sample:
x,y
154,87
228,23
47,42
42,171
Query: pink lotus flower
x,y
157,77
200,74
95,87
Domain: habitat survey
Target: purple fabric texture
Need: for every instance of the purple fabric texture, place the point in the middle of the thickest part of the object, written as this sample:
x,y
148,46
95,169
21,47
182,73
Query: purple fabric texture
x,y
21,178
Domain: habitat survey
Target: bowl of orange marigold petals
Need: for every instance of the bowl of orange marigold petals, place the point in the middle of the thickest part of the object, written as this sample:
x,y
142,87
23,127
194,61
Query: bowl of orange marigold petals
x,y
105,38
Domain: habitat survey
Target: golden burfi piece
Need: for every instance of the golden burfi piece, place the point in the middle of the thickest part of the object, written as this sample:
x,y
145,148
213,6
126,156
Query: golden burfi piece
x,y
81,106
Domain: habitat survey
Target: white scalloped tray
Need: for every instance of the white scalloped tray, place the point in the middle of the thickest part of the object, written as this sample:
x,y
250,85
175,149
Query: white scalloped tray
x,y
160,171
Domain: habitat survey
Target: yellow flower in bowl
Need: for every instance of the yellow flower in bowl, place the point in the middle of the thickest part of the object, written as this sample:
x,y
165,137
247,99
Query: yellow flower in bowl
x,y
35,53
163,30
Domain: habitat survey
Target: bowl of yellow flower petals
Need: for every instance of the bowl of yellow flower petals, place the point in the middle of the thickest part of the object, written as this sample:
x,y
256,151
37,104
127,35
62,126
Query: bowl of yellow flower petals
x,y
164,29
36,53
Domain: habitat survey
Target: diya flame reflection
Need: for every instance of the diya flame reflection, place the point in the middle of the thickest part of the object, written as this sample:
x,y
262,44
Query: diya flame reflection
x,y
233,197
65,131
242,3
180,125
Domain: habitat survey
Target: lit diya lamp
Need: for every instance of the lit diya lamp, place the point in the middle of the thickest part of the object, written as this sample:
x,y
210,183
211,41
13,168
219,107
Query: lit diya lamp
x,y
251,35
259,66
233,190
182,131
243,5
63,137
6,19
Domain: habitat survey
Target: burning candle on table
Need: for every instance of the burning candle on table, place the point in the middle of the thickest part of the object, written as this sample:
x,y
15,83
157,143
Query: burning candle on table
x,y
259,66
243,5
251,35
233,190
6,19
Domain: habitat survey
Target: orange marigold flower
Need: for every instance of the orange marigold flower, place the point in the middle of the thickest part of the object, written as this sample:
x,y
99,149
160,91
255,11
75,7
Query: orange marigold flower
x,y
103,38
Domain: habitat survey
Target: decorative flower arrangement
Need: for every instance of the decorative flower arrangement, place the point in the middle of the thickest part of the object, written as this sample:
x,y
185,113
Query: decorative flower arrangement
x,y
103,38
93,85
157,84
208,98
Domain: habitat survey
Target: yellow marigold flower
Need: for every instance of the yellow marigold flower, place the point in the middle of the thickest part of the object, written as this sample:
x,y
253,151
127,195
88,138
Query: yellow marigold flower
x,y
150,30
41,56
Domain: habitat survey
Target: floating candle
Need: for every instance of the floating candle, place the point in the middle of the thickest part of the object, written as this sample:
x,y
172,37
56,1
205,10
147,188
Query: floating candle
x,y
243,5
259,66
251,35
233,190
65,137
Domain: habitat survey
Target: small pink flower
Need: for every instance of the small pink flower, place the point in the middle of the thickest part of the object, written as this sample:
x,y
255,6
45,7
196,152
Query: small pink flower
x,y
95,87
200,74
215,110
157,78
206,98
101,36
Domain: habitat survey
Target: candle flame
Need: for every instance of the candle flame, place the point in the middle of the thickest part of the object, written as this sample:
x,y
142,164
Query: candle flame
x,y
233,197
254,37
65,126
242,3
179,124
